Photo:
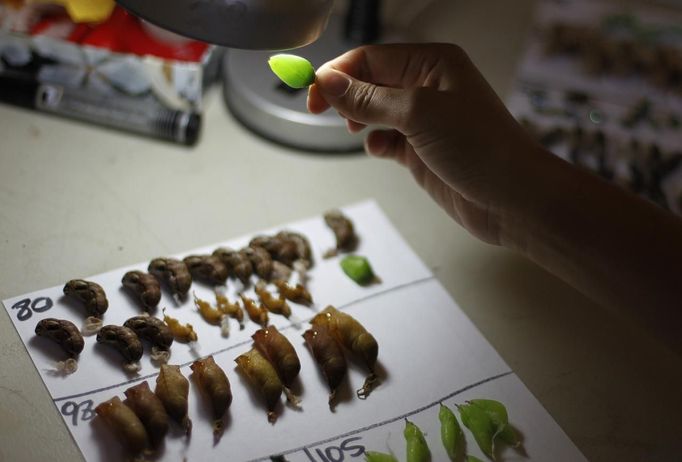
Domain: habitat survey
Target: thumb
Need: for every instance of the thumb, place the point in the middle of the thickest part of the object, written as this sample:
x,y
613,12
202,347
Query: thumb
x,y
362,101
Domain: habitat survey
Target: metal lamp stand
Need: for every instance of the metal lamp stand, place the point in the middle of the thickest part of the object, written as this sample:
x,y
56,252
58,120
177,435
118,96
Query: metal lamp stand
x,y
271,109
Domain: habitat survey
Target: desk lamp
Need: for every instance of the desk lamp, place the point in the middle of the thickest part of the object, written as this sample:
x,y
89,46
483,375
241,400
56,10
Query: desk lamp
x,y
246,24
271,109
249,27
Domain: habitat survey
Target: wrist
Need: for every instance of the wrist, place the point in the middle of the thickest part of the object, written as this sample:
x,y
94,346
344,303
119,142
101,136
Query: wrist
x,y
534,187
613,246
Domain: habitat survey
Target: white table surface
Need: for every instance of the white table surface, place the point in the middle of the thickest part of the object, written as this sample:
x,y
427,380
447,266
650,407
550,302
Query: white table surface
x,y
77,200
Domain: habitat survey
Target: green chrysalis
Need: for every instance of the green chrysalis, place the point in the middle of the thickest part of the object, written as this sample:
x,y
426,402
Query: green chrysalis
x,y
481,426
450,433
373,456
358,269
498,414
473,459
295,71
417,450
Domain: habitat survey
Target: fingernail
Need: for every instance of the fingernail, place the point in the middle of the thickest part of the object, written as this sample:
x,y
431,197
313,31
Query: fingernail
x,y
333,83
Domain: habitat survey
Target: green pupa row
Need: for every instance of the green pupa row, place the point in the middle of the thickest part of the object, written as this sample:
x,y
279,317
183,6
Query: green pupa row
x,y
486,419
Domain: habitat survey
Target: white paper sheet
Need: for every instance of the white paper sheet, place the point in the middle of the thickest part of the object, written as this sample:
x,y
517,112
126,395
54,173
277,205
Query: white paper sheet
x,y
429,352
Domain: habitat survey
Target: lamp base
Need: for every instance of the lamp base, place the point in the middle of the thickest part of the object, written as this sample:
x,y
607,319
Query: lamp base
x,y
271,109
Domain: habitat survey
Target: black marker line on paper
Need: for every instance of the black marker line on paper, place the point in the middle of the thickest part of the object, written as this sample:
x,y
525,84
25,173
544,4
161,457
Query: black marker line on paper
x,y
307,453
388,421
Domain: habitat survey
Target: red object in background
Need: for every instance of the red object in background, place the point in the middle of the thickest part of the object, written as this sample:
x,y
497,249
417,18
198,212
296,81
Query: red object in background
x,y
138,41
123,33
109,33
79,32
54,25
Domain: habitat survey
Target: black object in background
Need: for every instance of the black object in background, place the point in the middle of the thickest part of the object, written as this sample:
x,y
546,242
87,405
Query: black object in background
x,y
363,22
142,116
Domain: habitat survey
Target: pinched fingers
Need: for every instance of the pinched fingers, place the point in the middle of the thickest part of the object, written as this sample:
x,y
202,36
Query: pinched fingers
x,y
396,66
316,103
366,103
399,65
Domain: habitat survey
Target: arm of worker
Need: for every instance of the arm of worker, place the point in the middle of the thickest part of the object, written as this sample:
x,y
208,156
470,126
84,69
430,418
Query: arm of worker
x,y
449,128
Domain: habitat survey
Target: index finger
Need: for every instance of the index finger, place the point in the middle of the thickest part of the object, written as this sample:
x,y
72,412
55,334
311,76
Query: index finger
x,y
399,65
394,65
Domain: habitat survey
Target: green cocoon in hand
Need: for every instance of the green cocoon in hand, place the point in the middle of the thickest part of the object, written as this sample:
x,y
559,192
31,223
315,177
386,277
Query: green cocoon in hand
x,y
293,70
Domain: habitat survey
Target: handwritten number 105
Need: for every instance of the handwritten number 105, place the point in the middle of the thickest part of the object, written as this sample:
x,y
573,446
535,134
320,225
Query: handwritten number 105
x,y
78,411
338,453
26,307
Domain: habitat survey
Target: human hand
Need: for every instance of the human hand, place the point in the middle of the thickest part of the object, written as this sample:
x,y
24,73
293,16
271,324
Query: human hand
x,y
454,134
446,125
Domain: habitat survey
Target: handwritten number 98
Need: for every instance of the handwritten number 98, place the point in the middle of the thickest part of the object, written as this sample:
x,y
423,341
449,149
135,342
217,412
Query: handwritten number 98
x,y
78,411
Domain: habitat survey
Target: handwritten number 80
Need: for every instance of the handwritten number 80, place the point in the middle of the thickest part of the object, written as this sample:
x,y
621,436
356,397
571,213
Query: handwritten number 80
x,y
26,307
